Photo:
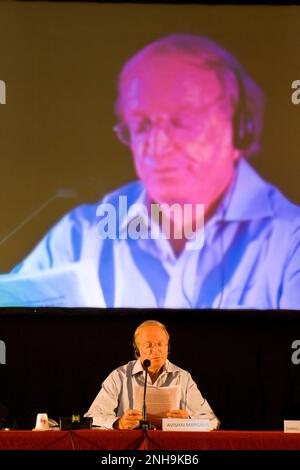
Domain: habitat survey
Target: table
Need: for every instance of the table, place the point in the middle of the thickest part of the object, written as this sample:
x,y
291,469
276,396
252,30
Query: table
x,y
223,440
95,439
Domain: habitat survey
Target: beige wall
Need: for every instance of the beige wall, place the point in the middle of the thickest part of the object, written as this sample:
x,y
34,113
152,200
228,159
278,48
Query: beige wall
x,y
60,62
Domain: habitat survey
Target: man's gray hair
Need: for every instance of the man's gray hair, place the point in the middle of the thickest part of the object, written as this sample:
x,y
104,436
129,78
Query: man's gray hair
x,y
151,323
202,51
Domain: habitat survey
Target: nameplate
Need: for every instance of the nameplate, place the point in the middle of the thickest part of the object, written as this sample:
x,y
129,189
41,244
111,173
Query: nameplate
x,y
174,424
291,426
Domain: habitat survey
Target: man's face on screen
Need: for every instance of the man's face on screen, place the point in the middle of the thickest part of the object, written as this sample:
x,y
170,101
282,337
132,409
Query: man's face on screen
x,y
180,125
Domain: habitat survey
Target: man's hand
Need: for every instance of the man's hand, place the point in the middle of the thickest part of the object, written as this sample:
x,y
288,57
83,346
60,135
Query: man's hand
x,y
129,420
178,414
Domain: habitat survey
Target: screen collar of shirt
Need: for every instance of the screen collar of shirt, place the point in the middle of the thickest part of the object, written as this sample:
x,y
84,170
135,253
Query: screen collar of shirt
x,y
246,199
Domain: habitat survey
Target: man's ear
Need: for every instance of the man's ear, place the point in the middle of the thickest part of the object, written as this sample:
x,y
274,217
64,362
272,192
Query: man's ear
x,y
236,156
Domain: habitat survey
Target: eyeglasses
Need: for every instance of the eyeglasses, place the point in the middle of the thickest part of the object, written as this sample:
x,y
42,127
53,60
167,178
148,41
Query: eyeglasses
x,y
151,346
184,125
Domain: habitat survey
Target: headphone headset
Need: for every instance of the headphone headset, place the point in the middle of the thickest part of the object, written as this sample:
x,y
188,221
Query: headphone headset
x,y
243,124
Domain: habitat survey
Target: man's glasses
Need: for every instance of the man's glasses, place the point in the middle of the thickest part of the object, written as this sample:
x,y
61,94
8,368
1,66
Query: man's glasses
x,y
150,346
186,124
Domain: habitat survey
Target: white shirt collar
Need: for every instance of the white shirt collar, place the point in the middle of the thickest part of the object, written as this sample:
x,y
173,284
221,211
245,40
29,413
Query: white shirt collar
x,y
168,367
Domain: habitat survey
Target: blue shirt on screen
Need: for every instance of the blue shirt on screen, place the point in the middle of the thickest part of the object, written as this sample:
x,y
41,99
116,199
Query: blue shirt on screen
x,y
250,257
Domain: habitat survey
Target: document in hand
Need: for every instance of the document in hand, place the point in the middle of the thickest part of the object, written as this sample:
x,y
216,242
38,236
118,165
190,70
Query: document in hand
x,y
69,285
159,400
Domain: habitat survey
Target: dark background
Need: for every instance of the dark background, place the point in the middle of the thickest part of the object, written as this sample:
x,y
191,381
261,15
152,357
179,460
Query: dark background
x,y
241,361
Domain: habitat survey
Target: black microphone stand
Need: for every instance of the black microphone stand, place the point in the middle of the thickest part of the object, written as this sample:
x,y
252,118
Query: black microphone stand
x,y
145,424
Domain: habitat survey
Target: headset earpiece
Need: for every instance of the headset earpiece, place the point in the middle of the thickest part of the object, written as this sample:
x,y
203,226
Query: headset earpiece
x,y
243,124
136,350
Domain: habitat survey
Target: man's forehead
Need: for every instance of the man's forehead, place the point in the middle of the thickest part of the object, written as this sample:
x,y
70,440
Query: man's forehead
x,y
165,81
149,331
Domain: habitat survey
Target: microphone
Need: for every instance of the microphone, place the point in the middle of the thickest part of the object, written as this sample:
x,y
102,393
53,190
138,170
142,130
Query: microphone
x,y
146,364
144,423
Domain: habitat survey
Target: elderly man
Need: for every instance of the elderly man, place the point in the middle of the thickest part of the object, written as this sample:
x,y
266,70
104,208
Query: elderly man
x,y
114,404
190,115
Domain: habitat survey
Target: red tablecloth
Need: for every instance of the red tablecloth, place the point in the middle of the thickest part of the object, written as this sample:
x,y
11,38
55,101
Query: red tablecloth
x,y
151,440
87,439
222,440
35,440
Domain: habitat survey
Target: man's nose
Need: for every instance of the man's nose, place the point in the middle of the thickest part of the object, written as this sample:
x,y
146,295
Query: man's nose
x,y
155,346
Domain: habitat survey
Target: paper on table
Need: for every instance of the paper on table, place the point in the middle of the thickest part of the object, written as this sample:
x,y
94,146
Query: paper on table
x,y
159,400
69,285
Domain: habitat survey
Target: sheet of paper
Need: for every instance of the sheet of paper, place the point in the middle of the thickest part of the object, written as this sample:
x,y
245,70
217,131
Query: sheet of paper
x,y
70,285
159,400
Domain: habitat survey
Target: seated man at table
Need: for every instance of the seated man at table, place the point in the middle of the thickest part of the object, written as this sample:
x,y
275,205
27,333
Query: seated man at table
x,y
113,407
219,236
